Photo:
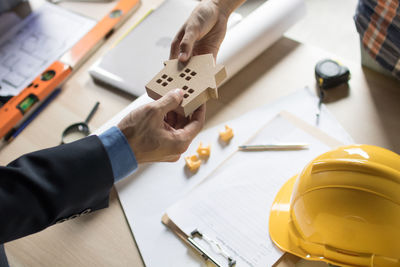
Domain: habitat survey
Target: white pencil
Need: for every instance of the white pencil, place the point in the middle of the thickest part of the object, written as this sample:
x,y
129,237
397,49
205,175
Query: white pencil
x,y
277,146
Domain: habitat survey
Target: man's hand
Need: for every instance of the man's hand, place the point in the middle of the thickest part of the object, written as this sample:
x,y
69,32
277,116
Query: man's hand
x,y
204,30
156,133
202,33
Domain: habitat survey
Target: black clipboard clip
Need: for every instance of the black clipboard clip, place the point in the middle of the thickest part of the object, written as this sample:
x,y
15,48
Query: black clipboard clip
x,y
206,256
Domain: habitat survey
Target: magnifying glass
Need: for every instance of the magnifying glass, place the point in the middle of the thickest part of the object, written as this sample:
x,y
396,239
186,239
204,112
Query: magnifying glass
x,y
79,130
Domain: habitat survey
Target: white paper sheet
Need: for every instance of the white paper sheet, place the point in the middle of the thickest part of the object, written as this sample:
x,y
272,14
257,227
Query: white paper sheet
x,y
232,206
32,45
147,194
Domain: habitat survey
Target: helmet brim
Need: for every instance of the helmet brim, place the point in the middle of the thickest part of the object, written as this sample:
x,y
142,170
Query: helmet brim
x,y
279,218
280,221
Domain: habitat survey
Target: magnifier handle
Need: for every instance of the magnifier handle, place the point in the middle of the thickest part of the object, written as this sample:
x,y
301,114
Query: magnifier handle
x,y
94,109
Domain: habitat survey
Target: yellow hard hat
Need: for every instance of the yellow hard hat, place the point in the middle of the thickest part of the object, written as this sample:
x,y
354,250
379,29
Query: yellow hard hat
x,y
343,208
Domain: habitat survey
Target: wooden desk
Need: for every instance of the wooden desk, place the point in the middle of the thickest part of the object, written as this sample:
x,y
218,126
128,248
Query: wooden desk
x,y
369,113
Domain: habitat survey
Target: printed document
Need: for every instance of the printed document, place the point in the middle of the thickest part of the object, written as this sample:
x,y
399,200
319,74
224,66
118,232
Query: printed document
x,y
29,47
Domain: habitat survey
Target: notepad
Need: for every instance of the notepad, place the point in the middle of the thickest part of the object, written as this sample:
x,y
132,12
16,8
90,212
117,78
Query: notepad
x,y
231,206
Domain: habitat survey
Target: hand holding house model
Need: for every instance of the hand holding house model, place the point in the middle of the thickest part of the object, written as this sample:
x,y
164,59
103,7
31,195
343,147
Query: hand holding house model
x,y
199,80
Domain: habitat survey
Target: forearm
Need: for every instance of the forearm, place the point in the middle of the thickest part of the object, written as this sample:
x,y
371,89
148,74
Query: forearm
x,y
44,187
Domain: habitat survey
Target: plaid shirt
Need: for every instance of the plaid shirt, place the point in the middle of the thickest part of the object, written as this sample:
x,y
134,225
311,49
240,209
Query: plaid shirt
x,y
378,23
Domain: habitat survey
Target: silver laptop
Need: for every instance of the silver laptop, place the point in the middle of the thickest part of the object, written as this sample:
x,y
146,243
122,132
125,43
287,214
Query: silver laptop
x,y
140,55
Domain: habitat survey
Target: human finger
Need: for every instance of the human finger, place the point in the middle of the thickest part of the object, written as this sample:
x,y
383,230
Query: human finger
x,y
171,118
181,121
196,123
186,45
172,158
174,50
169,101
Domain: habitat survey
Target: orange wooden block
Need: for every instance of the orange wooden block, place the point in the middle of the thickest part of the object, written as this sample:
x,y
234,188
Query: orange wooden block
x,y
204,151
199,80
193,163
226,135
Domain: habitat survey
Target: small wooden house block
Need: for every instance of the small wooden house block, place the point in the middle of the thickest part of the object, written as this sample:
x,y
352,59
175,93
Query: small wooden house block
x,y
198,79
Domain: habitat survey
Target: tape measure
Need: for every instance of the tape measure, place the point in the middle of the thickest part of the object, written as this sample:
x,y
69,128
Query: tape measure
x,y
330,73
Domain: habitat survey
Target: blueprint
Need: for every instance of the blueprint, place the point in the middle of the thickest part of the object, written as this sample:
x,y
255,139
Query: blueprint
x,y
30,46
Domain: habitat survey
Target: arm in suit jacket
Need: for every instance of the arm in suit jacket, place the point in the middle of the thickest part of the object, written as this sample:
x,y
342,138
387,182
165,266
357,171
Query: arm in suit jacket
x,y
52,185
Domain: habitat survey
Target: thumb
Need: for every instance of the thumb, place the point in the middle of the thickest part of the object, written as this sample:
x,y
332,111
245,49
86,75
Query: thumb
x,y
170,101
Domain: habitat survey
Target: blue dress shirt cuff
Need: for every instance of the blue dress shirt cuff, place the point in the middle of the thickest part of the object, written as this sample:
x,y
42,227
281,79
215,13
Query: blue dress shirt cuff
x,y
123,161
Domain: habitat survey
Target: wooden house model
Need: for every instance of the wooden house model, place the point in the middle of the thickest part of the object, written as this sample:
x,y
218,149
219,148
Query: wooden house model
x,y
199,80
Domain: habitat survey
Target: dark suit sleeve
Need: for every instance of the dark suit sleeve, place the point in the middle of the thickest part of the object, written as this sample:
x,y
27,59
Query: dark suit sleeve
x,y
53,185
